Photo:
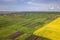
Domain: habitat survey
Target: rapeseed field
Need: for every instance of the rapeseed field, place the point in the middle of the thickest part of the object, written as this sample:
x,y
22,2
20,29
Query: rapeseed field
x,y
51,30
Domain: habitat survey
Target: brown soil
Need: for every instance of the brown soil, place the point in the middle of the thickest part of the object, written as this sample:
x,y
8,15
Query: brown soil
x,y
32,37
36,24
15,35
52,17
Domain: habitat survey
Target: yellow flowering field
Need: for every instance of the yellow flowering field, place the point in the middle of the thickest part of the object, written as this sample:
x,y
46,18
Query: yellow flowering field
x,y
51,30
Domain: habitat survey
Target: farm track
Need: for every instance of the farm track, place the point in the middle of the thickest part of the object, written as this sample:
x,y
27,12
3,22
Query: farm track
x,y
32,22
15,35
34,25
26,22
33,37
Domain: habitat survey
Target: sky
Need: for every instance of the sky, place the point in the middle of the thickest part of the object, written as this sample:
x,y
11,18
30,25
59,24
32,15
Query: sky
x,y
29,5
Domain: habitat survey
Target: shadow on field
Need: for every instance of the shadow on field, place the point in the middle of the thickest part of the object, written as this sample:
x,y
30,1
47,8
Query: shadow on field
x,y
15,35
33,37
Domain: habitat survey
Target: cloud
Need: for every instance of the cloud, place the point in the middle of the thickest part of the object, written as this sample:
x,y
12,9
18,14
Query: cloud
x,y
31,5
7,8
58,7
52,8
22,0
9,0
37,6
29,2
43,7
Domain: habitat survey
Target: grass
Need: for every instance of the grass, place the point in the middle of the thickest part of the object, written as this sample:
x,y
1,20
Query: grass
x,y
11,23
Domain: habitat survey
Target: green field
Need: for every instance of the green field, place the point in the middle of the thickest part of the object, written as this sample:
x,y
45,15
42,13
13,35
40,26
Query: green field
x,y
24,22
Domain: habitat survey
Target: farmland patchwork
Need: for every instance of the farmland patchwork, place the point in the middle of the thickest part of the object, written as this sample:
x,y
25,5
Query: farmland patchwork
x,y
22,26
